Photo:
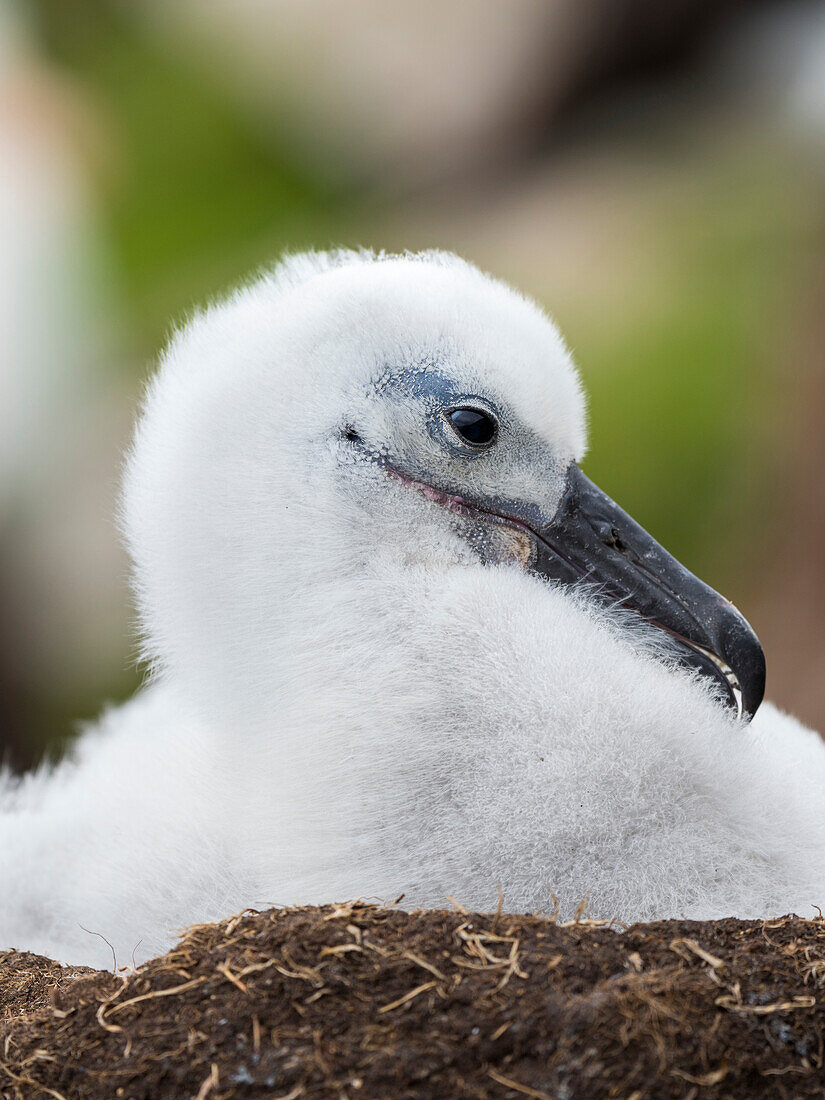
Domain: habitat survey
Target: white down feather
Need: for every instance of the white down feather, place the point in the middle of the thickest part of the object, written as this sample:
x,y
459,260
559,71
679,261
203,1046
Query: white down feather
x,y
348,699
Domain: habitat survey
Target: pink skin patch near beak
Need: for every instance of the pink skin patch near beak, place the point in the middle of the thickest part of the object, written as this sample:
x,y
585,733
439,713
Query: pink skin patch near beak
x,y
522,538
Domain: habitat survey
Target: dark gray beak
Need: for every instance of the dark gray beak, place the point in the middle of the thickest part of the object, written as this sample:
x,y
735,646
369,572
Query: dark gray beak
x,y
590,539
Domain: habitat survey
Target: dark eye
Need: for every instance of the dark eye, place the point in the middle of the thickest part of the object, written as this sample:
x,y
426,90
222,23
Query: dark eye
x,y
474,426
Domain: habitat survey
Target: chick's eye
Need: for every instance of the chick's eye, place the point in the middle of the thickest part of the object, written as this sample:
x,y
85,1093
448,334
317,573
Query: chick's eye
x,y
474,426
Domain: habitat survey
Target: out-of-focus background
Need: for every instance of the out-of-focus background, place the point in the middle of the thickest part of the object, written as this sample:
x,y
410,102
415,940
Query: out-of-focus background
x,y
653,173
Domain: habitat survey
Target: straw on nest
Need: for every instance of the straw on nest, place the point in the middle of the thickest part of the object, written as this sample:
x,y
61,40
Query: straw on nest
x,y
357,1001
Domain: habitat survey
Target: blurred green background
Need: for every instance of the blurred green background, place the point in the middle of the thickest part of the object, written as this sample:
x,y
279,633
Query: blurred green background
x,y
654,175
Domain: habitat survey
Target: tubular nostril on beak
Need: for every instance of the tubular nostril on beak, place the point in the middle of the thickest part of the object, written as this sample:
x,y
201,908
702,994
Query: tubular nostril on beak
x,y
608,535
616,541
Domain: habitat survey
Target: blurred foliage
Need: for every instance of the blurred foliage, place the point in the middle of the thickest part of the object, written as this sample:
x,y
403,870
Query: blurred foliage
x,y
192,195
689,399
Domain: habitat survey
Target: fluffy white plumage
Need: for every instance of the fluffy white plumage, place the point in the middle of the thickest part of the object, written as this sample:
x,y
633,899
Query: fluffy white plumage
x,y
350,698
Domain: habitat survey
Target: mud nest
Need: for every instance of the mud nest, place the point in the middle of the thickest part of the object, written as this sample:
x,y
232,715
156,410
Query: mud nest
x,y
356,1001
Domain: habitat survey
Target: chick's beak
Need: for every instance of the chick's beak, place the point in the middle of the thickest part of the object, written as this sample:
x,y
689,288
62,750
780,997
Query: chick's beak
x,y
591,539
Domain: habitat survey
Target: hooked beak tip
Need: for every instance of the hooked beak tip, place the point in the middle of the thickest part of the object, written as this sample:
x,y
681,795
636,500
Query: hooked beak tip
x,y
731,655
591,537
742,652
